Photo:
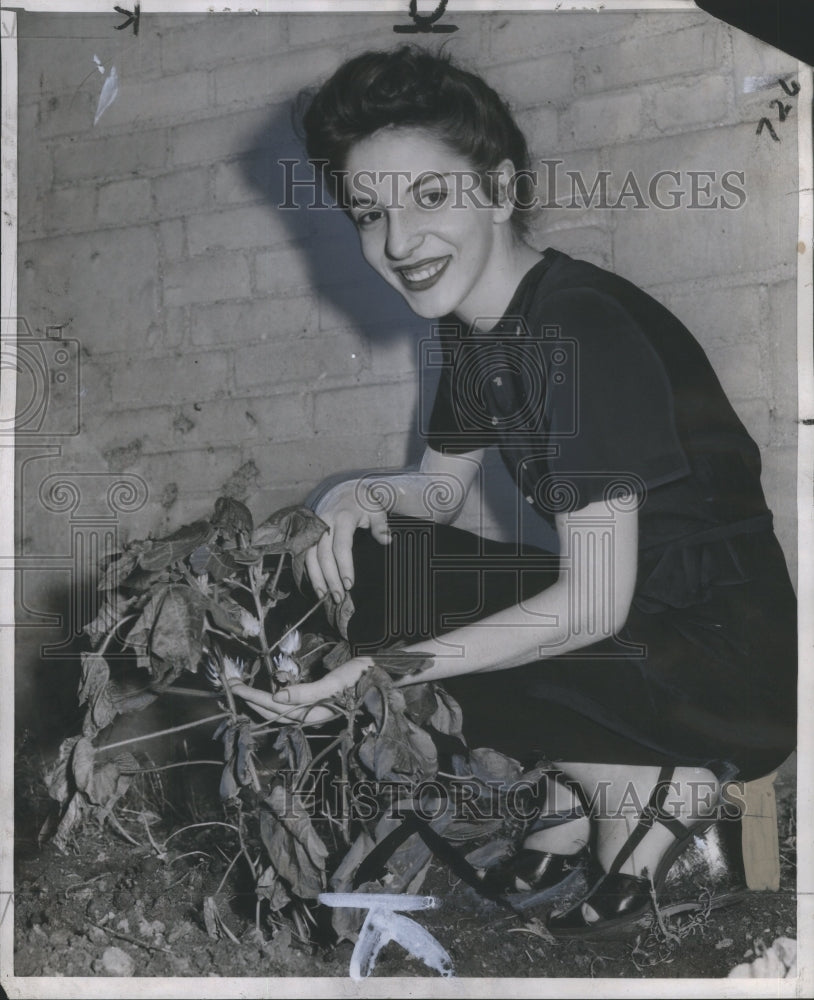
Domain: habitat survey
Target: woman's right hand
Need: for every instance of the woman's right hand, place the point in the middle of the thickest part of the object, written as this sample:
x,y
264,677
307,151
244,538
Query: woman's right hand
x,y
330,562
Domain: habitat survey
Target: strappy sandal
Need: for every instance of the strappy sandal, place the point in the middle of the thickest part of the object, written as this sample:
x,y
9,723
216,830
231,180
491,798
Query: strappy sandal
x,y
619,899
530,870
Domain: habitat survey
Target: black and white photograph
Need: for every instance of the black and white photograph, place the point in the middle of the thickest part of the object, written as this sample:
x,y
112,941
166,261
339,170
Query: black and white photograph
x,y
406,430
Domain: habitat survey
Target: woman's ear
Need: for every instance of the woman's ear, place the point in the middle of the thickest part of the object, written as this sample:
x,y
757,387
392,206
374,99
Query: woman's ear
x,y
502,186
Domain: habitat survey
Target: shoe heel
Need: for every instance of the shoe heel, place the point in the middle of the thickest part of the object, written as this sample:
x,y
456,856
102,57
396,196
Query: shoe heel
x,y
713,860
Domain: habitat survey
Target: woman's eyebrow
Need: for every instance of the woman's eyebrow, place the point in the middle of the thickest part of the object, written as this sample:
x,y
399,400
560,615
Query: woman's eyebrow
x,y
365,201
431,175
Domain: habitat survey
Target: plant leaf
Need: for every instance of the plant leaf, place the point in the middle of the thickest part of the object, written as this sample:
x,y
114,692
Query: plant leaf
x,y
293,845
245,746
401,662
117,571
229,787
291,529
199,559
95,675
238,746
225,613
140,634
158,553
491,765
339,615
215,925
294,747
233,516
177,634
340,654
298,568
94,689
126,701
398,749
71,818
448,717
269,886
221,564
103,783
58,777
420,702
113,609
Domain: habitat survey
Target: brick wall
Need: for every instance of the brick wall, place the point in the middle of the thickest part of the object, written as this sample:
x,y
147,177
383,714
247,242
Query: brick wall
x,y
229,345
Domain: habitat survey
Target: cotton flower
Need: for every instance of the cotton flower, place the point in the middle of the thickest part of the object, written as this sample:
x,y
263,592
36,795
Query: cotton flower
x,y
249,624
291,642
232,669
287,670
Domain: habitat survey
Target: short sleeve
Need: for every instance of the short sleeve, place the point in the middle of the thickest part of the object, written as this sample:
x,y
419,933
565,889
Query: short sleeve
x,y
611,414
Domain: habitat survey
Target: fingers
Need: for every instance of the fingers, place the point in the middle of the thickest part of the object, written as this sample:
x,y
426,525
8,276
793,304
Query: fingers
x,y
380,529
330,561
300,694
327,562
343,551
314,571
329,686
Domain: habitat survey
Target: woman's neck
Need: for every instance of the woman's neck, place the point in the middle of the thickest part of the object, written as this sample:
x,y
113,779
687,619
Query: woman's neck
x,y
497,289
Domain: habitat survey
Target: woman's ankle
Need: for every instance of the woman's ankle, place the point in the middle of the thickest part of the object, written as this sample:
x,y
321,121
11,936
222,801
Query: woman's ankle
x,y
691,796
566,838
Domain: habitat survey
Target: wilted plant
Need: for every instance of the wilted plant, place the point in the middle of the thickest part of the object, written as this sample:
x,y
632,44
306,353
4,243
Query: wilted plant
x,y
202,602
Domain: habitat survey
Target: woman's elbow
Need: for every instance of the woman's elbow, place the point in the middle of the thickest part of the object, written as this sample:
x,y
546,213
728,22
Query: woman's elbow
x,y
621,604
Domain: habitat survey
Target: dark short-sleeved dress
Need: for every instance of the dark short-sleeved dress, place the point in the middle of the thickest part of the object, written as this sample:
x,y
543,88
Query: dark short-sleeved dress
x,y
592,390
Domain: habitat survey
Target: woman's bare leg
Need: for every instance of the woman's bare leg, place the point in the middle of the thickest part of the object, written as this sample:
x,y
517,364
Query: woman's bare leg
x,y
569,837
618,793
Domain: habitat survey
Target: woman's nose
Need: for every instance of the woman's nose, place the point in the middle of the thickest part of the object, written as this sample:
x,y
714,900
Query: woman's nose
x,y
403,236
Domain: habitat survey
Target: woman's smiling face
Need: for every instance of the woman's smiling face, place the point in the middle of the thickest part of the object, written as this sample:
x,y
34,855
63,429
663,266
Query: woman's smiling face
x,y
422,226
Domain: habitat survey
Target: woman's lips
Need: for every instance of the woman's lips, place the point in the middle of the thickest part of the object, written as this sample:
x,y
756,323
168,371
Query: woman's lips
x,y
424,274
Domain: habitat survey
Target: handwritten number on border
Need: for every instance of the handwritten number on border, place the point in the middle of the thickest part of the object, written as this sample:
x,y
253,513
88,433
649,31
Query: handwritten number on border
x,y
782,109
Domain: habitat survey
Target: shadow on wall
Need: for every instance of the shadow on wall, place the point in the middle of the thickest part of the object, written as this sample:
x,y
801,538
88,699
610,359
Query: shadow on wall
x,y
328,243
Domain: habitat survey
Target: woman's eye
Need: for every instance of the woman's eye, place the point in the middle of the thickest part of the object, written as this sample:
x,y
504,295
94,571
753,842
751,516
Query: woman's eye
x,y
365,219
431,197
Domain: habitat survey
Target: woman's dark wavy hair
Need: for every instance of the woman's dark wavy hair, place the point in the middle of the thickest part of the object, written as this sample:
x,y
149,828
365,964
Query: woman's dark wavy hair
x,y
410,87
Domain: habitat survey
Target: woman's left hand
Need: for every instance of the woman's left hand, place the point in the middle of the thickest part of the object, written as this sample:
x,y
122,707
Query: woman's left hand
x,y
304,702
327,688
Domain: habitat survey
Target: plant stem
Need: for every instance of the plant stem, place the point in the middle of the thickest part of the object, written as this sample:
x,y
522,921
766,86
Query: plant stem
x,y
346,739
191,692
195,826
113,631
279,570
162,732
232,864
167,767
322,753
231,637
230,698
297,624
265,651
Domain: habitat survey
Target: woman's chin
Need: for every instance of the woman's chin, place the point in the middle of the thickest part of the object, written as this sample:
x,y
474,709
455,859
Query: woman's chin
x,y
428,306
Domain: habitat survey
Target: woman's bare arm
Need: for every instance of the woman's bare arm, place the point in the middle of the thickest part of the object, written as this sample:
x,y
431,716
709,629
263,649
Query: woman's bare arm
x,y
590,601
